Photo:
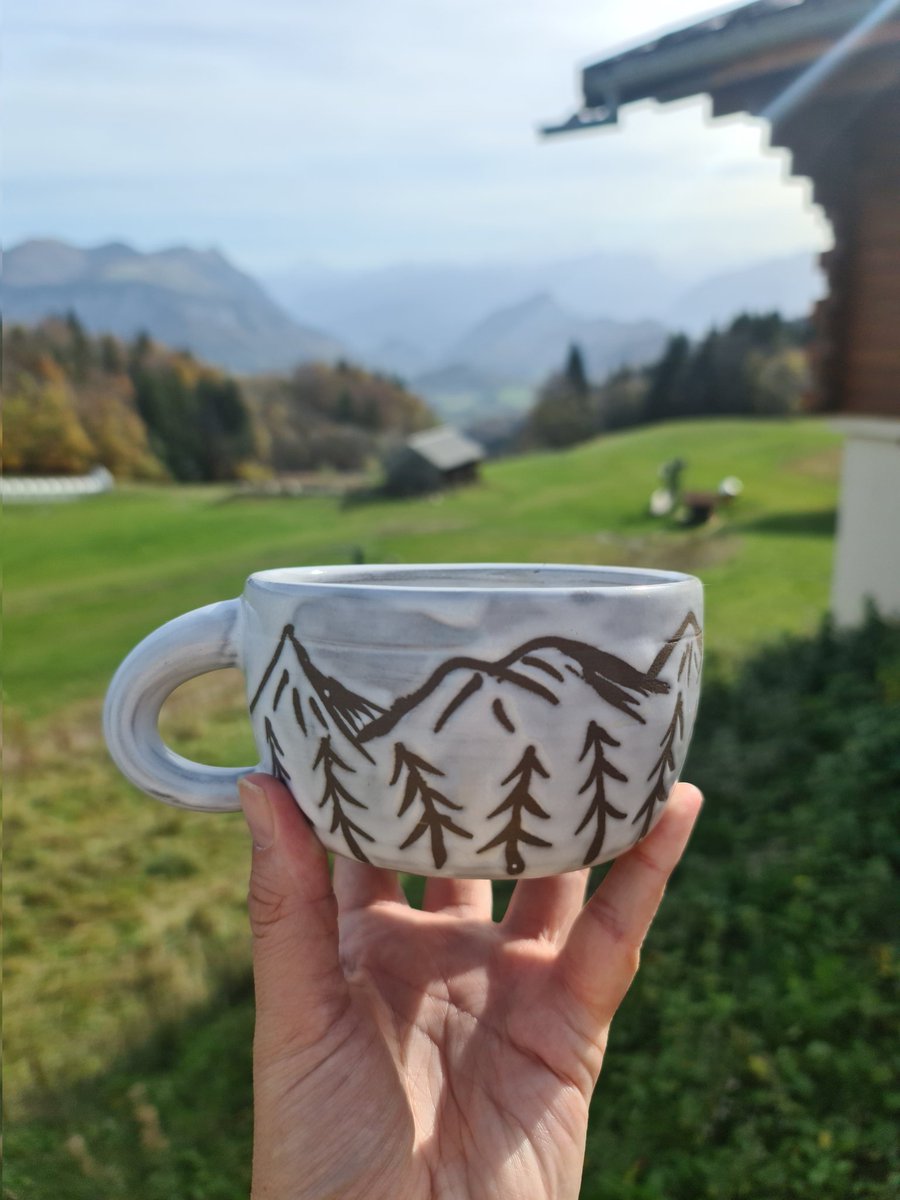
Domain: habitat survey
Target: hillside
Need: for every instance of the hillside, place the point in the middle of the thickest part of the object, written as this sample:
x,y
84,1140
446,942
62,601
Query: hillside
x,y
767,567
186,298
761,1024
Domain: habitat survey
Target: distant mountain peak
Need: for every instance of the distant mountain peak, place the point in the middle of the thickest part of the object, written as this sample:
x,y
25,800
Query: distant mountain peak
x,y
528,341
181,295
114,247
538,301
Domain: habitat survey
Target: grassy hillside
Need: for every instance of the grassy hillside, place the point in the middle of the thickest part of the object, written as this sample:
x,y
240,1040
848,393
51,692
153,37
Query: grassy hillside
x,y
85,582
126,917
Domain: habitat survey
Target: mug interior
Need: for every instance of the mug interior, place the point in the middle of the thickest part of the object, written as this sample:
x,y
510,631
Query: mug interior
x,y
472,576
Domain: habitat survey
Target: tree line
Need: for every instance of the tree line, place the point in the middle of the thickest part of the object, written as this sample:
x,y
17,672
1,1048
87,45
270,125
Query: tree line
x,y
76,401
756,366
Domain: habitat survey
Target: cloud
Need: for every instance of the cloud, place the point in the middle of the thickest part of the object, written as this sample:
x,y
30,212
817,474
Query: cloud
x,y
362,131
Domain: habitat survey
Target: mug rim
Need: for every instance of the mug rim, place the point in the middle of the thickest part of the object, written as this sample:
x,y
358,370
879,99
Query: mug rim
x,y
596,579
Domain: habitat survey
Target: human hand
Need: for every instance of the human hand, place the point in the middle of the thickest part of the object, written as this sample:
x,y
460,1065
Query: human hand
x,y
407,1055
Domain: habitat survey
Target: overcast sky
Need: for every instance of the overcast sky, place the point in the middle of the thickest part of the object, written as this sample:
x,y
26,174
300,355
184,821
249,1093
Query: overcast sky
x,y
364,132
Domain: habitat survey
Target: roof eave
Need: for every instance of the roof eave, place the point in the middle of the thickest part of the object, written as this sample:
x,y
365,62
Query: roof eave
x,y
669,68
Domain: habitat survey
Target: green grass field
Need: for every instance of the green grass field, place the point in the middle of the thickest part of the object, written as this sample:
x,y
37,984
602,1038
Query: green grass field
x,y
85,582
124,917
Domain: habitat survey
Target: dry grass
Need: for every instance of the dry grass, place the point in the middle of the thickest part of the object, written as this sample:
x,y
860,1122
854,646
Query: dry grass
x,y
121,913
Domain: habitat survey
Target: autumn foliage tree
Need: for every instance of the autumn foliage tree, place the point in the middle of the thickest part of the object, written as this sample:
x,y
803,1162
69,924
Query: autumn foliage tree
x,y
42,433
332,416
74,401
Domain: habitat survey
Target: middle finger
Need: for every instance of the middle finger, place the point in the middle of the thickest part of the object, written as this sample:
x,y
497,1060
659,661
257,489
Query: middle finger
x,y
545,907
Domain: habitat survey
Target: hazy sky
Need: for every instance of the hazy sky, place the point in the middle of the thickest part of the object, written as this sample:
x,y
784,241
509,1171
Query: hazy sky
x,y
362,132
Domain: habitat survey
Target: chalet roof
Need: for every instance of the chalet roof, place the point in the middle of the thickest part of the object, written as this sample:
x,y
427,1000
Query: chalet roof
x,y
825,76
446,448
775,38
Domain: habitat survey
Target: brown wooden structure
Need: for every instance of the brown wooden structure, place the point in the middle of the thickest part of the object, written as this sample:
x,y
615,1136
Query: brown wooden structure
x,y
826,73
453,457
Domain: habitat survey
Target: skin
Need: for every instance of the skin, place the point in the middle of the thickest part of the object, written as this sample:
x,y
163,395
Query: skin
x,y
407,1055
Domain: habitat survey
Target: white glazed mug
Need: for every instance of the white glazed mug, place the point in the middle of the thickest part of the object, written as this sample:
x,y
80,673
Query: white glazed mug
x,y
480,720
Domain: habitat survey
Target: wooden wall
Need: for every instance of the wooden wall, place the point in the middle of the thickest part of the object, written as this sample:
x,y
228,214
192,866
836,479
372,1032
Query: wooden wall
x,y
871,333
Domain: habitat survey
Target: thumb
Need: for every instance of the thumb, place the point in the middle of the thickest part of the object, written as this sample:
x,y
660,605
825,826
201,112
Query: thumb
x,y
300,987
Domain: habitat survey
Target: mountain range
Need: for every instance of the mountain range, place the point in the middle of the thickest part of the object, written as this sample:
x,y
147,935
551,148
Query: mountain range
x,y
422,310
474,340
522,343
183,297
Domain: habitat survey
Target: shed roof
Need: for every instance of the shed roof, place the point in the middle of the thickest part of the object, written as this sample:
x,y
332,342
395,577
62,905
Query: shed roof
x,y
446,448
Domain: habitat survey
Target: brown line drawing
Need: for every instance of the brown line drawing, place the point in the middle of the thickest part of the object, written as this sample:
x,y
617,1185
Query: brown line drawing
x,y
347,711
273,663
696,659
532,660
659,792
418,787
282,684
502,716
338,709
460,698
613,679
691,623
690,659
517,803
344,707
298,710
335,792
275,752
600,808
685,661
508,675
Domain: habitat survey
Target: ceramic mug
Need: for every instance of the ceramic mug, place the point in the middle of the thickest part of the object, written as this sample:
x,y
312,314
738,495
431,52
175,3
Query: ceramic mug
x,y
464,720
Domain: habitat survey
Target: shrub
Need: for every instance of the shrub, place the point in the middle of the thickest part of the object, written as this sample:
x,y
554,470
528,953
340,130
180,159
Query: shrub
x,y
754,1055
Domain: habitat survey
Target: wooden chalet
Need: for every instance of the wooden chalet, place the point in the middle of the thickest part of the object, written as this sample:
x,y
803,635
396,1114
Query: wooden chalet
x,y
826,76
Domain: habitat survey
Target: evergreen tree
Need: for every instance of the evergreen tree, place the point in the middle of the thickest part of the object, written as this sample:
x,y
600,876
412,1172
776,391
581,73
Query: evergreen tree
x,y
666,379
224,422
574,372
79,348
564,411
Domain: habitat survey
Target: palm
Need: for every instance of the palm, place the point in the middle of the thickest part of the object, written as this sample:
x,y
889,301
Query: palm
x,y
468,1016
436,1053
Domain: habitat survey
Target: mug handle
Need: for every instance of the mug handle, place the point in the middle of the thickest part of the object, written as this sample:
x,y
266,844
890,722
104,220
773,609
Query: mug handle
x,y
207,639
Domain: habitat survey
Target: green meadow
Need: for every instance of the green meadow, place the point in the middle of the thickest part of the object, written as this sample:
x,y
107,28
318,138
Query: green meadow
x,y
85,582
128,1001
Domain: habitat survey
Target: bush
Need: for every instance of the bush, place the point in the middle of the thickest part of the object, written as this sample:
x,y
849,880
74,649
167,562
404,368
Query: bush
x,y
41,430
755,1055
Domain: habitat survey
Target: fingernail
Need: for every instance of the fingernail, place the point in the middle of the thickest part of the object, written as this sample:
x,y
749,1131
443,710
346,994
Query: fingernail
x,y
258,813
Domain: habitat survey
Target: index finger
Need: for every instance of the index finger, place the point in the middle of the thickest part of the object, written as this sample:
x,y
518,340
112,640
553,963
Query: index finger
x,y
602,952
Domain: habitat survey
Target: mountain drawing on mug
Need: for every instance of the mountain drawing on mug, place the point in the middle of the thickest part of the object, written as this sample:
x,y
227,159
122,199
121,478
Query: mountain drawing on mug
x,y
353,739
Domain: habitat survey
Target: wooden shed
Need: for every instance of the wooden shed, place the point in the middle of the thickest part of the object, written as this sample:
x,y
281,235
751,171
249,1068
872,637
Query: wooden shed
x,y
826,76
452,455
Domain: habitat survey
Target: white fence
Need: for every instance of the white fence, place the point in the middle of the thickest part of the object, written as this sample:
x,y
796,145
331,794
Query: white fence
x,y
38,489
